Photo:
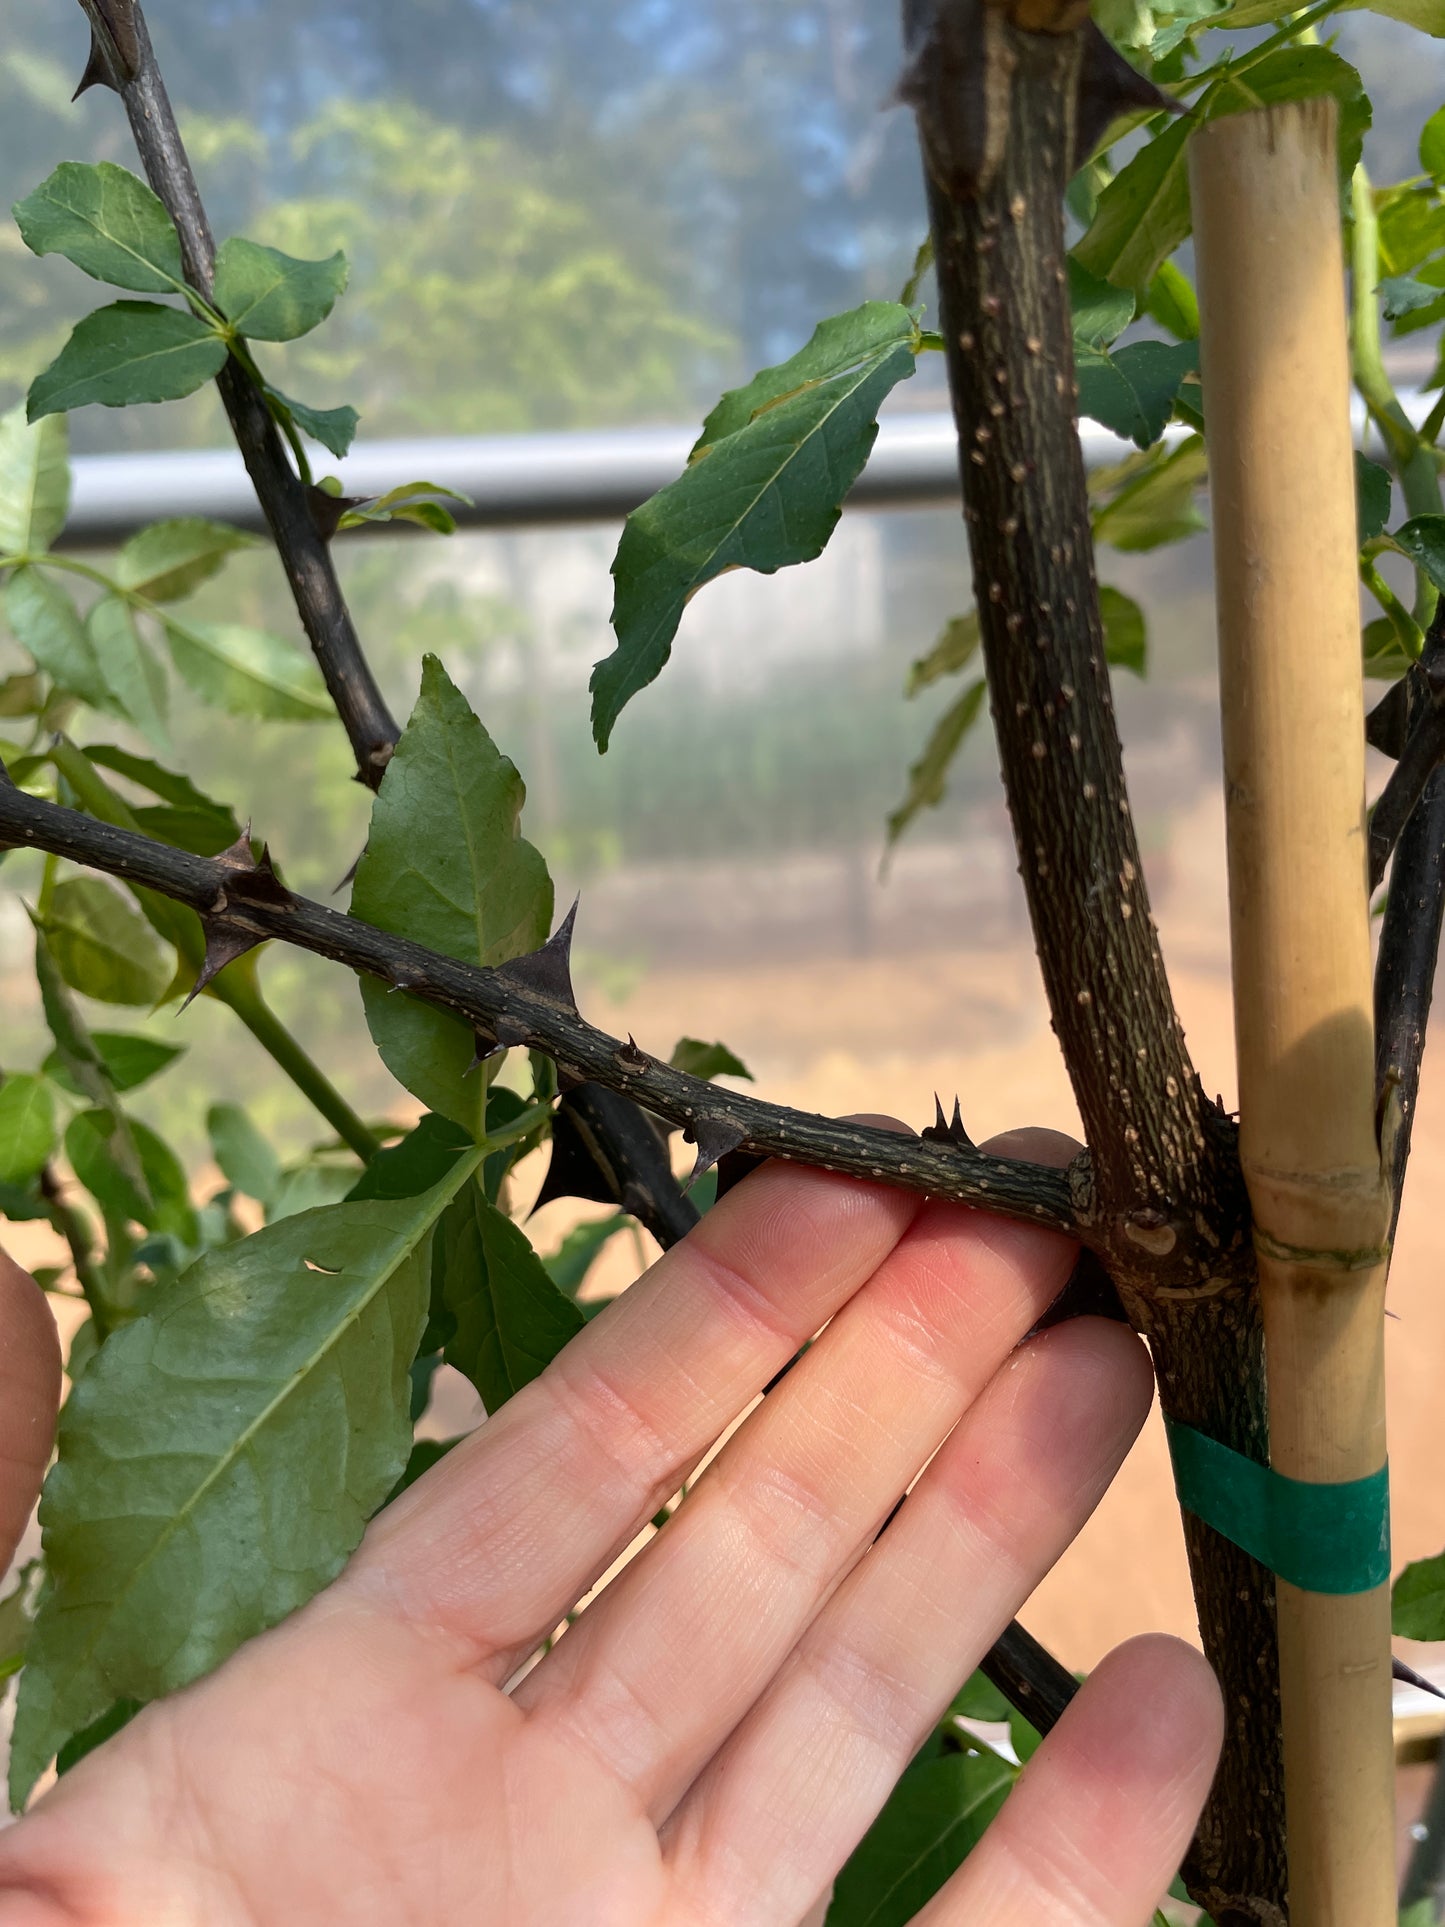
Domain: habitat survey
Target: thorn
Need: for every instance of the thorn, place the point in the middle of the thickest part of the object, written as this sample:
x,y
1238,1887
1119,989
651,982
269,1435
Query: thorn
x,y
937,1131
715,1139
547,972
252,879
1410,1677
350,876
326,510
485,1047
631,1056
511,1031
1108,87
97,69
225,942
956,1132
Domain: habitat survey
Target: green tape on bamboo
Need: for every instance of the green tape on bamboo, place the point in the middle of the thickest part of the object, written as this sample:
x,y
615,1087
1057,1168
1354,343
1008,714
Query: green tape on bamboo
x,y
1320,1538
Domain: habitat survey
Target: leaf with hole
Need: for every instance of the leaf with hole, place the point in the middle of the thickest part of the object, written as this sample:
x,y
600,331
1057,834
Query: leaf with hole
x,y
446,865
101,946
27,1127
248,672
218,1510
169,560
763,489
932,1821
133,351
270,296
108,222
34,481
509,1318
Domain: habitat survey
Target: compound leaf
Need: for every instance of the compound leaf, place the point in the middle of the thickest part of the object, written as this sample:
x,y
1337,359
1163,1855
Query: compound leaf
x,y
47,623
248,672
101,946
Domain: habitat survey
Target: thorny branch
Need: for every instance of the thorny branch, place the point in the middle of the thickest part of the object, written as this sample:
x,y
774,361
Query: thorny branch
x,y
122,58
529,1002
1418,703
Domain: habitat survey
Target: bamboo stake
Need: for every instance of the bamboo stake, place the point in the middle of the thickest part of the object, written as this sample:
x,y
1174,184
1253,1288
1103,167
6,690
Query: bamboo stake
x,y
1276,373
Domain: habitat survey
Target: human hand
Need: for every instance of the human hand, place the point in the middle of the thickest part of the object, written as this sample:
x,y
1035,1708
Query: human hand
x,y
705,1746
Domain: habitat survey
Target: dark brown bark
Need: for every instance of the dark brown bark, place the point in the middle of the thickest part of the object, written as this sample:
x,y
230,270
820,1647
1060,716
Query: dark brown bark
x,y
1167,1211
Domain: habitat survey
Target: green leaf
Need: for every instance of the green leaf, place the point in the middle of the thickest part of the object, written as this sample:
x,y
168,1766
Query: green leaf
x,y
102,947
1101,311
214,1512
572,1260
1143,213
107,222
1412,226
333,428
47,623
27,1127
1418,1600
1373,489
169,560
510,1319
1386,652
420,1160
34,482
1403,295
1149,499
446,865
1423,541
270,296
1132,391
246,1159
99,1156
979,1699
424,1455
933,1820
955,649
418,502
129,1061
764,489
96,1734
133,351
928,777
248,672
1125,634
135,679
1432,145
697,1059
1171,301
15,1615
186,817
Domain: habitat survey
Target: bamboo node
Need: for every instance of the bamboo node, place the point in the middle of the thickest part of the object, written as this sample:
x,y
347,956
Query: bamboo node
x,y
1363,1258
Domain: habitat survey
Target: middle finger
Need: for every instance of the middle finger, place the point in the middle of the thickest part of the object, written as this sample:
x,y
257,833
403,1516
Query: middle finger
x,y
661,1668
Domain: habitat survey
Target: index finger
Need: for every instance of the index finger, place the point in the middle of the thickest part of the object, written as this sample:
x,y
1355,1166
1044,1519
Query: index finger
x,y
508,1532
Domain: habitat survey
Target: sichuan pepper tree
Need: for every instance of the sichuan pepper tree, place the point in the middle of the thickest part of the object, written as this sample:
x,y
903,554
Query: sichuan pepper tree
x,y
390,1253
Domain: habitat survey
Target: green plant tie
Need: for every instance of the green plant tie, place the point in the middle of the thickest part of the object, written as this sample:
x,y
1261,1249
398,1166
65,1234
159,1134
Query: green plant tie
x,y
1320,1538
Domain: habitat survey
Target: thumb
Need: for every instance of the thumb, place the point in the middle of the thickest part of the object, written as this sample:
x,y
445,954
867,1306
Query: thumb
x,y
29,1398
